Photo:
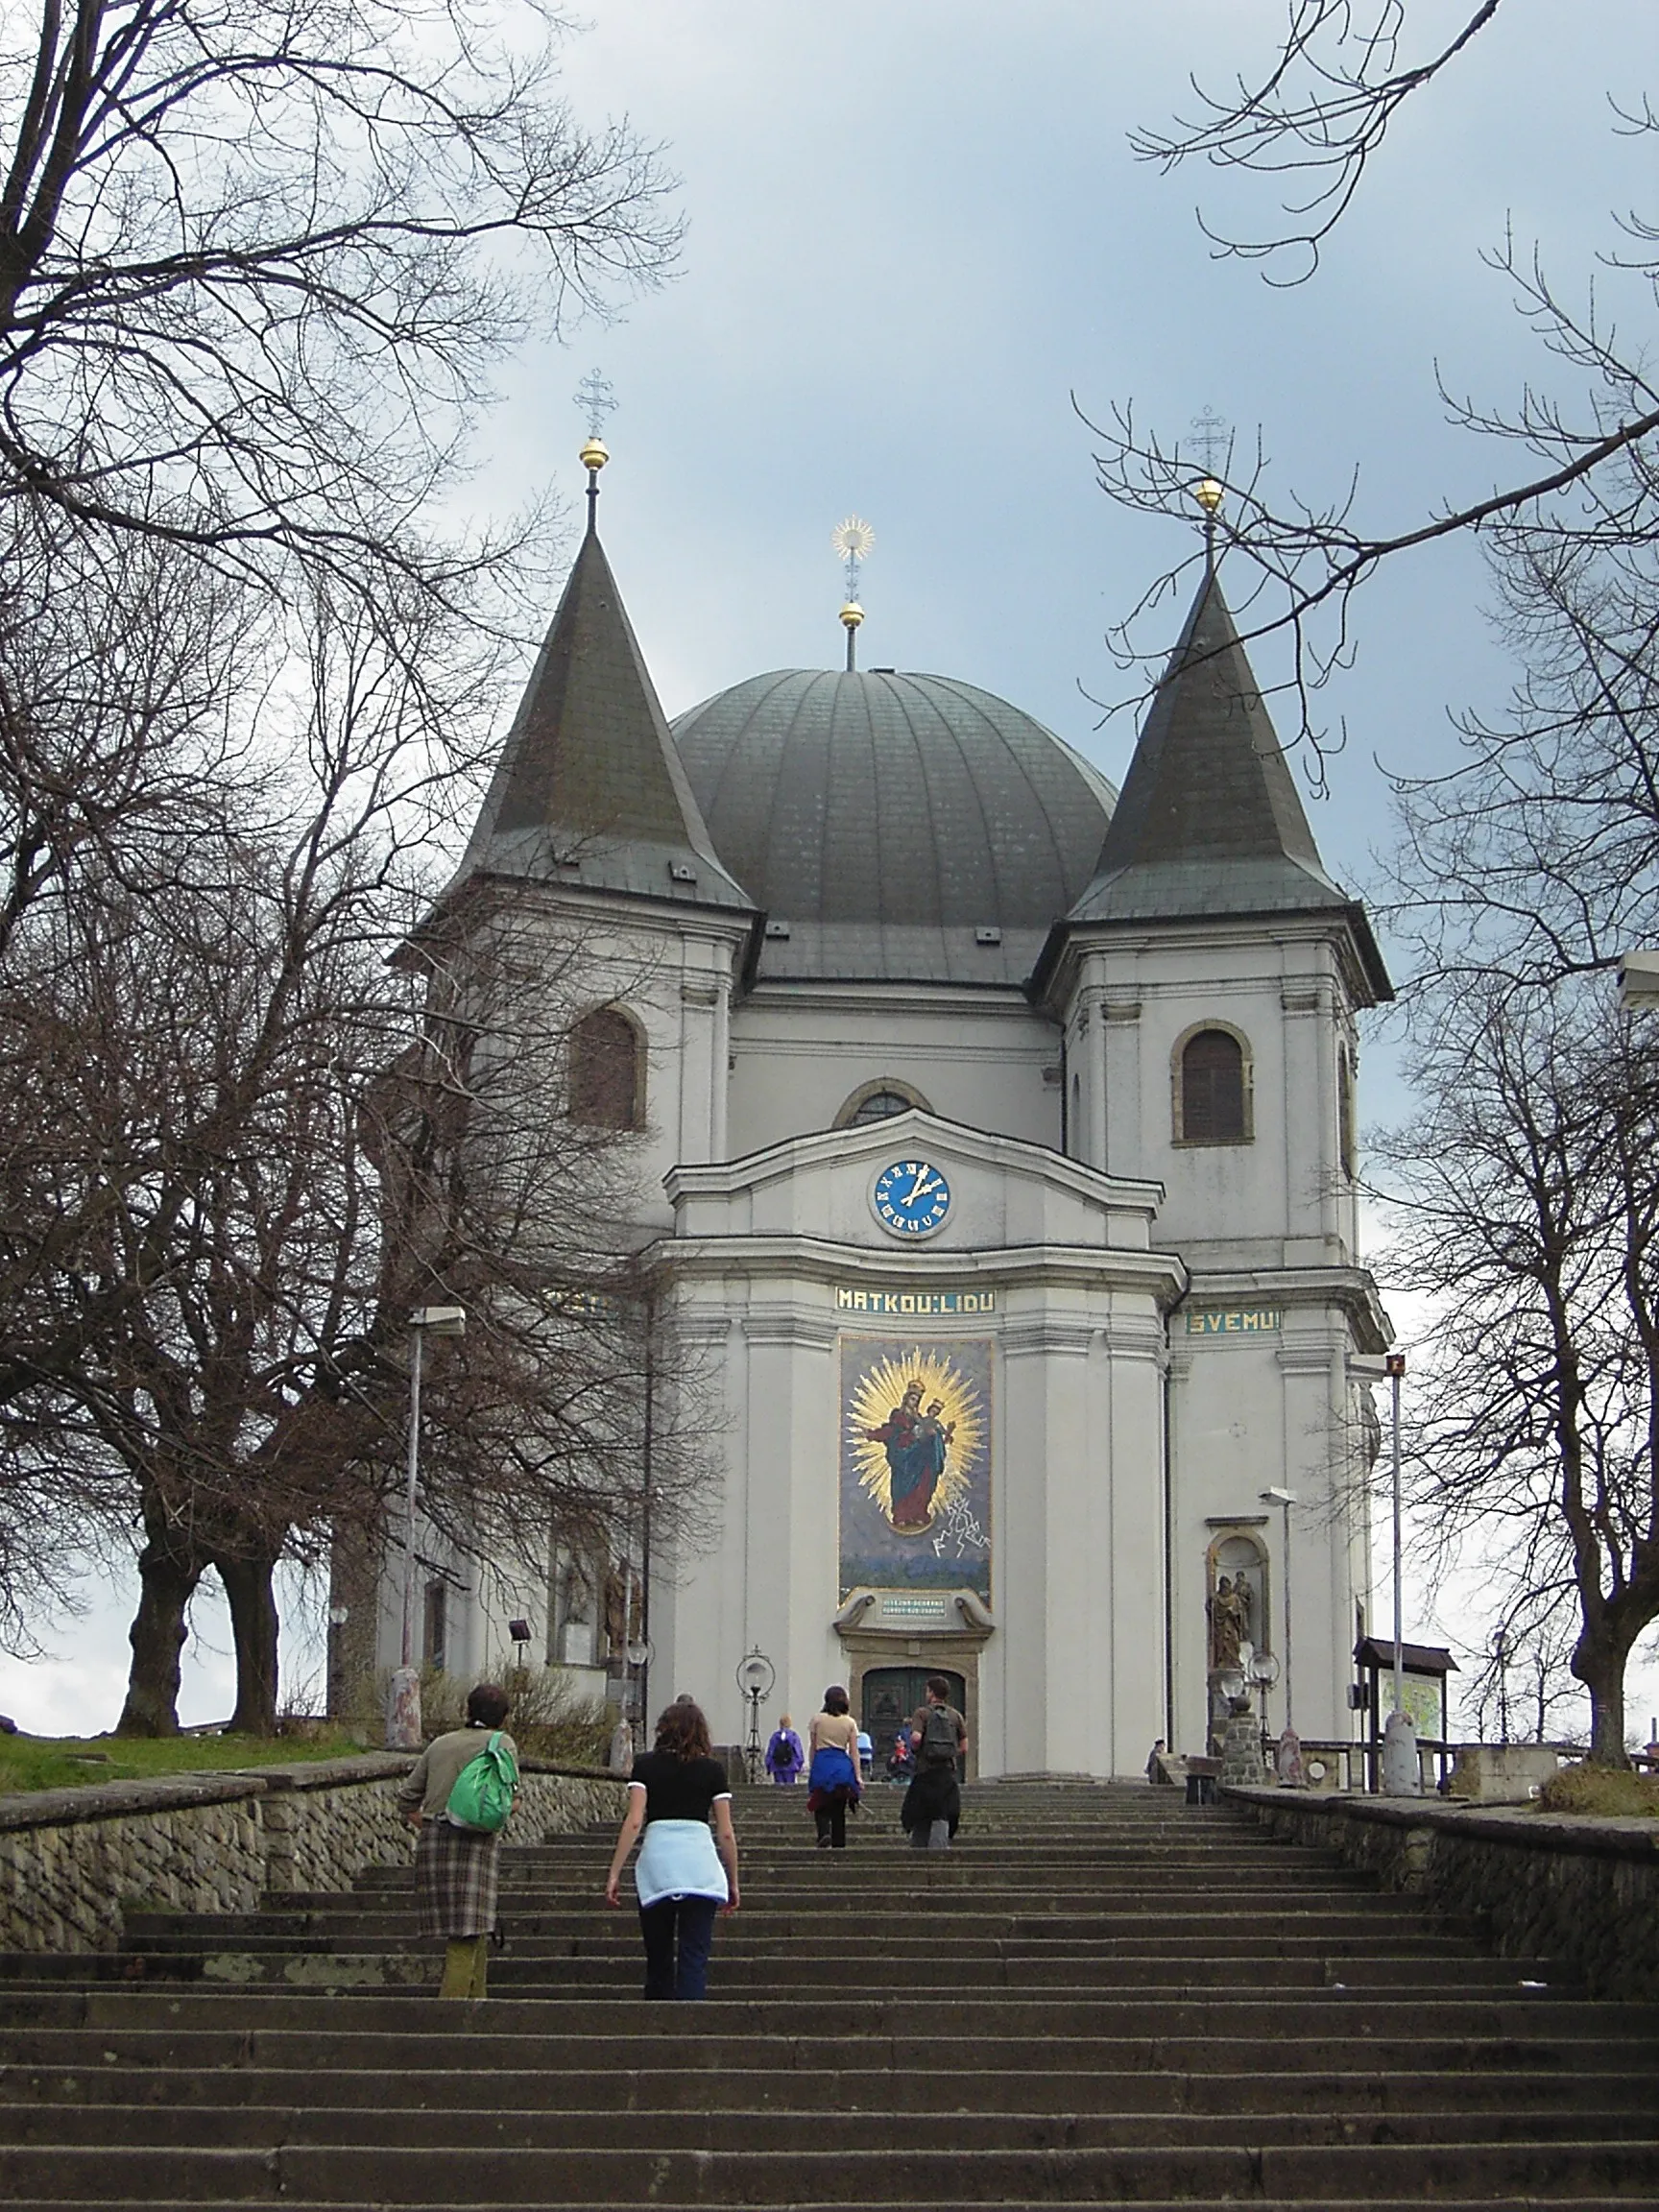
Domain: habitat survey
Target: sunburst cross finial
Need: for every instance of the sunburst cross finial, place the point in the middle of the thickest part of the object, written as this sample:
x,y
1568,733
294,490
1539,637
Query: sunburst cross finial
x,y
852,541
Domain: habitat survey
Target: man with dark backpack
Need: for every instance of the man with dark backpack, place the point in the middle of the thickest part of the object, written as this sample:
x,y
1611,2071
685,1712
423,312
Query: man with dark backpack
x,y
939,1740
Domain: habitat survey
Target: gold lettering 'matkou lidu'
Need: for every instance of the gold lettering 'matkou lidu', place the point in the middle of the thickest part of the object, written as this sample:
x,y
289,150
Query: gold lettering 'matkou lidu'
x,y
915,1305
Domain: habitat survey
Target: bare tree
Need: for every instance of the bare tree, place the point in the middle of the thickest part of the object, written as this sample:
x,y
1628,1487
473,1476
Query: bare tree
x,y
190,998
1520,1682
281,1177
1530,1180
1313,123
255,265
572,1405
1527,1193
257,259
1537,854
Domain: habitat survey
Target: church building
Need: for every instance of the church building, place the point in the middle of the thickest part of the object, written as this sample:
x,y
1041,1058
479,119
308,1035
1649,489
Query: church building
x,y
998,1132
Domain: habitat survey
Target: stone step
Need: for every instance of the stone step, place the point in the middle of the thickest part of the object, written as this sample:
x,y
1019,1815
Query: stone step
x,y
1062,2203
392,2174
758,1962
959,1868
736,2129
886,1903
583,1963
1306,2015
881,1816
566,1981
1153,1857
764,1920
866,2092
498,2037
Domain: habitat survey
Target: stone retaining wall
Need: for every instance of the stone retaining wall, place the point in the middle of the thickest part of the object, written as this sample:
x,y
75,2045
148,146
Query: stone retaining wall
x,y
74,1861
1550,1886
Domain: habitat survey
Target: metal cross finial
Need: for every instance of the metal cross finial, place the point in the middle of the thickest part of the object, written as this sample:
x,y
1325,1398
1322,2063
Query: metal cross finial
x,y
852,541
597,399
1213,439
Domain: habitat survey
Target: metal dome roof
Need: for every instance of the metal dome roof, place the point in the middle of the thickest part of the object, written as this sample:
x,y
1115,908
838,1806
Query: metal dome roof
x,y
896,826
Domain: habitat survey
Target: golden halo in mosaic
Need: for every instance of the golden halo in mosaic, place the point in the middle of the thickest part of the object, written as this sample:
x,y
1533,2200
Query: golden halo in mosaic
x,y
875,1399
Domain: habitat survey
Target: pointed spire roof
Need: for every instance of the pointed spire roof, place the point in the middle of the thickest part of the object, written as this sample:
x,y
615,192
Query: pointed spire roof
x,y
590,788
1209,821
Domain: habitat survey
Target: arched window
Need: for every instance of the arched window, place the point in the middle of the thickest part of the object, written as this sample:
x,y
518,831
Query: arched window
x,y
607,1071
878,1101
1348,1149
1213,1092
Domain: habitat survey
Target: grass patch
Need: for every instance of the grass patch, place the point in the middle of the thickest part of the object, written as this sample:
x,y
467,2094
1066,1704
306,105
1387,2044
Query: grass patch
x,y
67,1761
1610,1792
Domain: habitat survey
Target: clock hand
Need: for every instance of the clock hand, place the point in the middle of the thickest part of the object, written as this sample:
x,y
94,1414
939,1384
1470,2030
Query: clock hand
x,y
921,1183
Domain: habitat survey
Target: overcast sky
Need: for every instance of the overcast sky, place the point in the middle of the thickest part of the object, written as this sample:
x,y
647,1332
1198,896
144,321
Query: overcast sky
x,y
917,234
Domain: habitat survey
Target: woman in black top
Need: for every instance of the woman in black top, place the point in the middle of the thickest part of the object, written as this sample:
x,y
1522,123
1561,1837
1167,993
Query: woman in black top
x,y
688,1869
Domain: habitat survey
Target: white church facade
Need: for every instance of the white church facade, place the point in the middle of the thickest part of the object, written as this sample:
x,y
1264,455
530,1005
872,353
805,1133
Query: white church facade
x,y
997,1144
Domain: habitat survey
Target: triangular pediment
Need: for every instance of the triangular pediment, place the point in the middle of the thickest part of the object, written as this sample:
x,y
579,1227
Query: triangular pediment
x,y
827,1184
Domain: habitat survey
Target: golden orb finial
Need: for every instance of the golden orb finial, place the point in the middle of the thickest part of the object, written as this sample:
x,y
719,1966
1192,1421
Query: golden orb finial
x,y
595,455
1208,494
852,614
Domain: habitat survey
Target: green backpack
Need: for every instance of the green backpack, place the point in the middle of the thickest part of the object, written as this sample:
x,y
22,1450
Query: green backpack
x,y
481,1797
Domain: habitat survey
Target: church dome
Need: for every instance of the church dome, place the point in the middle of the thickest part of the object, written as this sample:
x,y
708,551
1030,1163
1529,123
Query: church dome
x,y
893,826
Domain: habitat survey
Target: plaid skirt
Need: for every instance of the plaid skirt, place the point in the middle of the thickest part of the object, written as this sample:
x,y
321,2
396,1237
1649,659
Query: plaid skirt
x,y
455,1876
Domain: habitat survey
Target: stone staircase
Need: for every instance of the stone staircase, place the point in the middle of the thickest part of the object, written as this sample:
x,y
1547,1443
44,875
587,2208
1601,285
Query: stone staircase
x,y
1100,1996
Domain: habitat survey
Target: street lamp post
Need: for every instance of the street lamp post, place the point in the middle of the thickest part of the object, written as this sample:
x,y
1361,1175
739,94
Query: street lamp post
x,y
403,1692
1402,1772
1285,1500
1265,1672
756,1677
1395,1365
645,1514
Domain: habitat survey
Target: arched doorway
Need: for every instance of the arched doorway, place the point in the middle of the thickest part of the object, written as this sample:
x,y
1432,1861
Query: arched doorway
x,y
888,1695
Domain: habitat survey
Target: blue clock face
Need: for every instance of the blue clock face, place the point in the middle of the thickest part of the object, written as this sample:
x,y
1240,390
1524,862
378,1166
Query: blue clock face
x,y
910,1198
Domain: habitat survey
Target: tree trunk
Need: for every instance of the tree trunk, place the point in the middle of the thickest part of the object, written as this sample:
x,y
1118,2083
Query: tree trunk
x,y
253,1631
1600,1664
168,1573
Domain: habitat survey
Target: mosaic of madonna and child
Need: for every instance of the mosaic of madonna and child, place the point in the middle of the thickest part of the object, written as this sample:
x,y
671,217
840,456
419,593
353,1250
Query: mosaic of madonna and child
x,y
916,1464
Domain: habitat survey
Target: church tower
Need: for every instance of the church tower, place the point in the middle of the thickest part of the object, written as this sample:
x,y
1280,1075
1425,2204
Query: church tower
x,y
1209,981
590,823
590,882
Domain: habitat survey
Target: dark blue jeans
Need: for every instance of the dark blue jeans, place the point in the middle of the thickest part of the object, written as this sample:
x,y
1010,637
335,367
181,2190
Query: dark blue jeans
x,y
689,1922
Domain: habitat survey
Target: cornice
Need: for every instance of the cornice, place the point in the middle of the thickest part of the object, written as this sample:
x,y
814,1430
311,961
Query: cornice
x,y
1078,1267
1056,978
1351,1289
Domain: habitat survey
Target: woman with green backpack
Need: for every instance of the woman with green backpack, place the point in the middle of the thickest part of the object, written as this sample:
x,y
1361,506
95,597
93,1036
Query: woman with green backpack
x,y
458,1795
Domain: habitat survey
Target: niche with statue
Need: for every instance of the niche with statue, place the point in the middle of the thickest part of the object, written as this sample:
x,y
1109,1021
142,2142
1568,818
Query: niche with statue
x,y
1235,1611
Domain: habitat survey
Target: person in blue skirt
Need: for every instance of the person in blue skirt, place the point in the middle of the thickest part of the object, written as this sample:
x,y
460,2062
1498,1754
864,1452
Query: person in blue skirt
x,y
833,1782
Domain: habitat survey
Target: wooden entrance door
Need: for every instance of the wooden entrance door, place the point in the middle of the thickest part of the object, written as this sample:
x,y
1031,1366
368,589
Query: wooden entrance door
x,y
888,1695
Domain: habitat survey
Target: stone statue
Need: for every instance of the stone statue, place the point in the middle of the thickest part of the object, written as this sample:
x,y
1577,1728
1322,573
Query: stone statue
x,y
1229,1620
617,1613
